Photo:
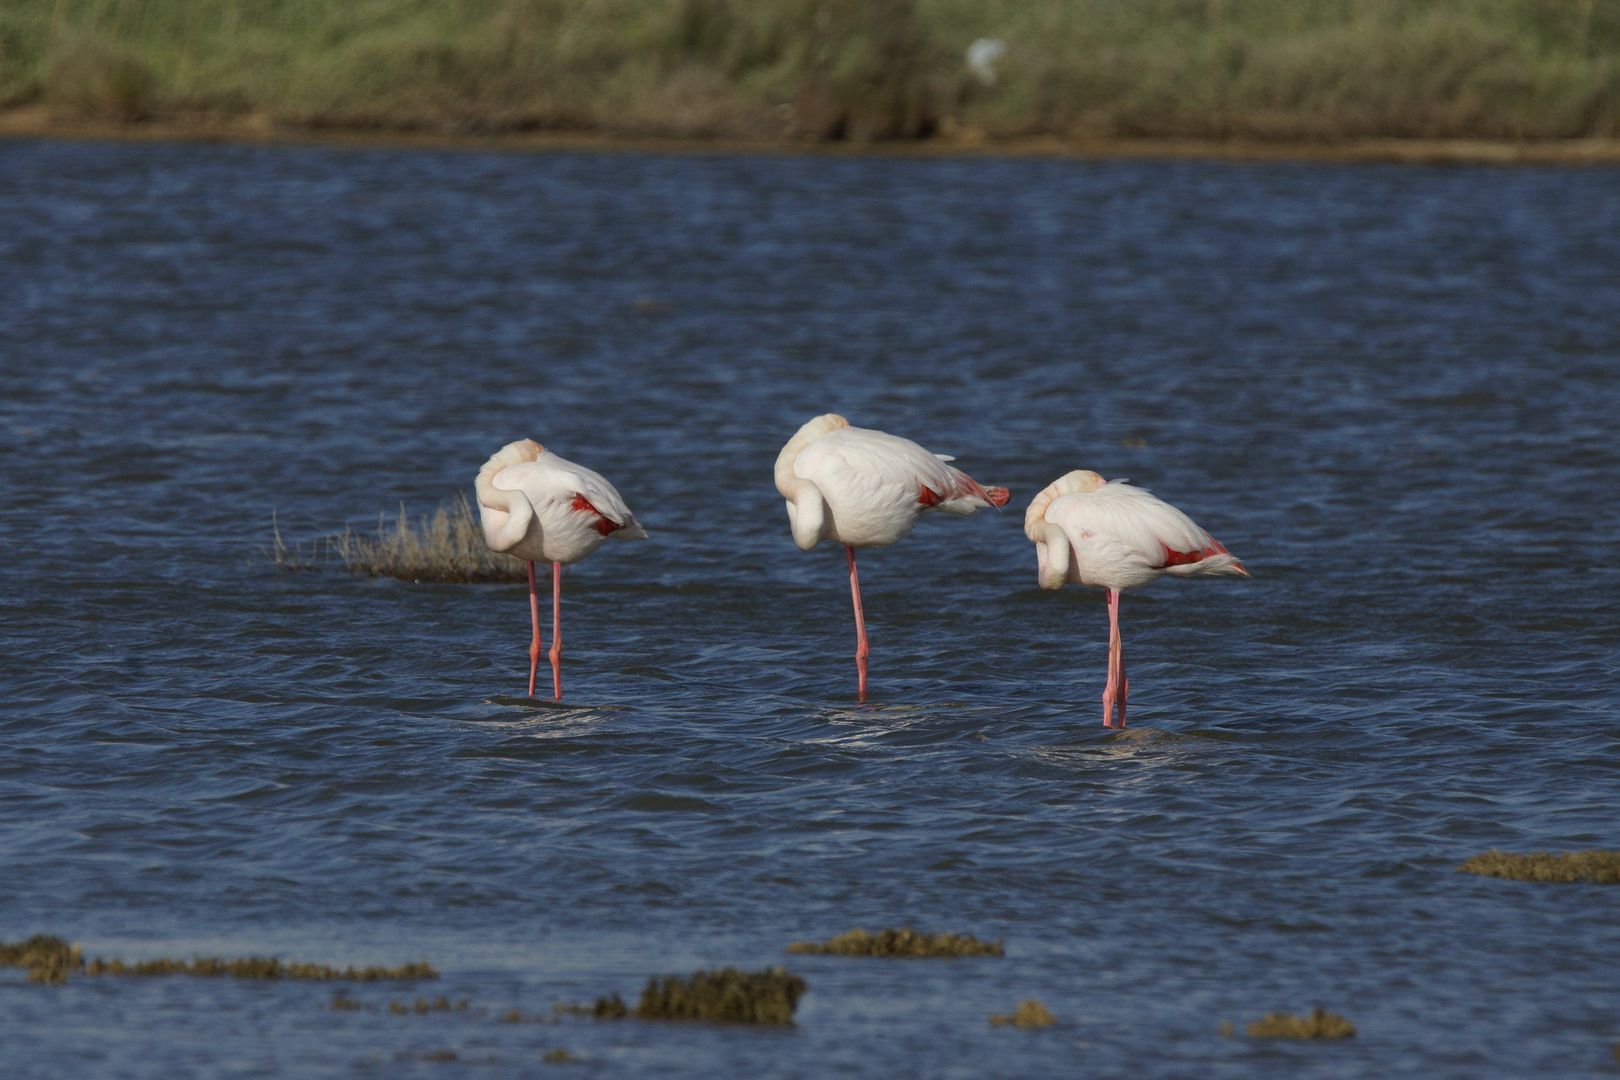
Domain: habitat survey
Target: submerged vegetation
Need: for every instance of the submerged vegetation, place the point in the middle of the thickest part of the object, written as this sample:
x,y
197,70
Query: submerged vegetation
x,y
1564,866
1320,1024
726,995
1029,1014
51,960
903,942
833,69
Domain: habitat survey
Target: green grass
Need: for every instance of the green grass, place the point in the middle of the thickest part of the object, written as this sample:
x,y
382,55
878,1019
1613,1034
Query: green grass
x,y
855,69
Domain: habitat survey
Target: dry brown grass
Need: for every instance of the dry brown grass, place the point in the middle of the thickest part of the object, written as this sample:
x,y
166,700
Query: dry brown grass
x,y
1320,1024
903,942
1562,866
446,547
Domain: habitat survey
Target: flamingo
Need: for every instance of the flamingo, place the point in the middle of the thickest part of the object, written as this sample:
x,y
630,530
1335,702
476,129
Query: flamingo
x,y
544,508
864,488
1108,534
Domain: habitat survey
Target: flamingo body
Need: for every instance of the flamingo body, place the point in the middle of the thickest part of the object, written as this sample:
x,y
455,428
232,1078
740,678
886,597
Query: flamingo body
x,y
864,488
1088,531
544,508
1108,534
541,507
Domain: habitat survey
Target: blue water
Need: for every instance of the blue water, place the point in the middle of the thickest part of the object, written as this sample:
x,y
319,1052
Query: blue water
x,y
1392,391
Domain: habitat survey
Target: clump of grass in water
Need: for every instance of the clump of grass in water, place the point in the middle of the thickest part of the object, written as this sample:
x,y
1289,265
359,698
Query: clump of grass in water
x,y
290,558
1564,866
725,994
558,1056
48,959
903,942
256,967
1029,1014
447,547
611,1007
1320,1024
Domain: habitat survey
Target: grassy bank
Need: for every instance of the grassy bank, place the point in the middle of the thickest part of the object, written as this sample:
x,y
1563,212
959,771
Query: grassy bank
x,y
1319,70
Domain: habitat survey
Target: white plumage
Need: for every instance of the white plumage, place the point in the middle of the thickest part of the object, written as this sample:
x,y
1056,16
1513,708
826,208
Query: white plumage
x,y
544,508
1115,536
864,488
1088,531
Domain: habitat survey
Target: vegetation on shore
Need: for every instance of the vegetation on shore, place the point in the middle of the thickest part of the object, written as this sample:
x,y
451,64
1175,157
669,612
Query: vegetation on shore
x,y
830,69
903,942
1563,866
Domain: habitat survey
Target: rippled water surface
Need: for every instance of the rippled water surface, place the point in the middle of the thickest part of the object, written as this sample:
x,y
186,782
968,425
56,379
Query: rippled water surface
x,y
1392,391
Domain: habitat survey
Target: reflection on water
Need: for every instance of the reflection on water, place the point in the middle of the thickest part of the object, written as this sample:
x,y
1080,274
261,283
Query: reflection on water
x,y
1392,390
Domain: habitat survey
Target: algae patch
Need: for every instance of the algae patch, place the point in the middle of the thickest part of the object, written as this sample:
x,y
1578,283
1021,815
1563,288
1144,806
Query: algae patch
x,y
1029,1014
903,942
1320,1024
725,994
1563,866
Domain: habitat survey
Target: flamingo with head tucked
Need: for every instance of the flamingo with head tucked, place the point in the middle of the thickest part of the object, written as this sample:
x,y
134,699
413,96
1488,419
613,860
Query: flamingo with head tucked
x,y
544,508
1108,534
864,488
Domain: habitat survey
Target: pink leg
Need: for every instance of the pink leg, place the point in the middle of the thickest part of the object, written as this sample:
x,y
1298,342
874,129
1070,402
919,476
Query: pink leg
x,y
1124,683
1116,665
556,631
534,616
860,621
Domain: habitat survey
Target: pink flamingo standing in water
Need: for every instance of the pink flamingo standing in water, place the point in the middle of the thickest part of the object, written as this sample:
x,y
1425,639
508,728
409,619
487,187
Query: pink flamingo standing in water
x,y
1108,534
543,508
864,488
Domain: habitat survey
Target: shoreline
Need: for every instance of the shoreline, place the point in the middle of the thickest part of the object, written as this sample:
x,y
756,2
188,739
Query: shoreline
x,y
39,123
